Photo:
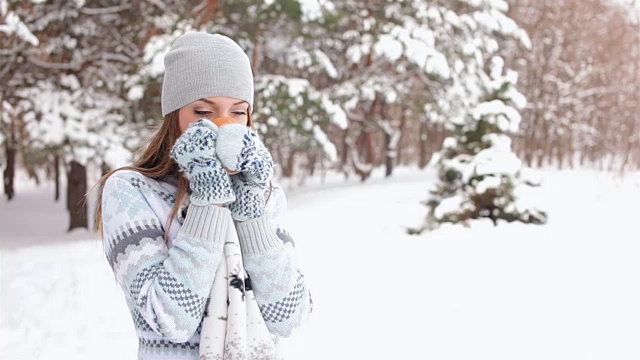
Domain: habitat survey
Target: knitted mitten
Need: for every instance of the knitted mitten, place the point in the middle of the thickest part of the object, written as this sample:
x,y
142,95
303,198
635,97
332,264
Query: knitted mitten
x,y
194,152
239,149
250,199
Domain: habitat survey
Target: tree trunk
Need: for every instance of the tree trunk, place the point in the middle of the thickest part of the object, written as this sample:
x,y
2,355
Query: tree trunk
x,y
207,13
559,149
344,157
76,189
388,154
355,149
32,174
312,162
56,171
287,171
371,154
391,139
435,135
364,145
403,125
9,171
423,145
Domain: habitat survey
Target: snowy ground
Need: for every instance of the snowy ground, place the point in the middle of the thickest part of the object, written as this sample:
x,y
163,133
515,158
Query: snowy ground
x,y
566,290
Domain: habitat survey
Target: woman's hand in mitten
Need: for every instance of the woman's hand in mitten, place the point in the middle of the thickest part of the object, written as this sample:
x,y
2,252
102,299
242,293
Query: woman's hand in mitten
x,y
195,154
240,149
250,198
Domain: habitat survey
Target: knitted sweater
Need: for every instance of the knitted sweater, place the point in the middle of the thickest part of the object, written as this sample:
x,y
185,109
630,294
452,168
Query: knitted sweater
x,y
166,284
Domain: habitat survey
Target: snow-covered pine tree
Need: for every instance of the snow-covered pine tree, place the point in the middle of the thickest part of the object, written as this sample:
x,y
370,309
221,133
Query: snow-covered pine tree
x,y
16,35
70,89
391,56
290,112
287,130
479,175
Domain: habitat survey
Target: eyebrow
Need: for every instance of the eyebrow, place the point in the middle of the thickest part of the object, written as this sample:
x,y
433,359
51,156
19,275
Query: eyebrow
x,y
213,103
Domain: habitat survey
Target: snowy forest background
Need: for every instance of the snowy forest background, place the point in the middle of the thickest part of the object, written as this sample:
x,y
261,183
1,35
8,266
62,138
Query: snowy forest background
x,y
489,112
341,85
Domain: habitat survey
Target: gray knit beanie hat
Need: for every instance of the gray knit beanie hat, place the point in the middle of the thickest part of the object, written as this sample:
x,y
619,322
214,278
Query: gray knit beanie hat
x,y
201,65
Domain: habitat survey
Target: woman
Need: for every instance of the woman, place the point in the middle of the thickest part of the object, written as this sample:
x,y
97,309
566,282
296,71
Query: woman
x,y
170,222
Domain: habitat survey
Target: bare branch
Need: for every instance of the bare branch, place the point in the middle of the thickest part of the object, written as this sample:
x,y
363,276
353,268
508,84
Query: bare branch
x,y
54,66
105,11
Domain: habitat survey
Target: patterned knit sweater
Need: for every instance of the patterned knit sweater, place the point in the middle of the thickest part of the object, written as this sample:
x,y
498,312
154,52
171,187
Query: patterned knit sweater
x,y
166,284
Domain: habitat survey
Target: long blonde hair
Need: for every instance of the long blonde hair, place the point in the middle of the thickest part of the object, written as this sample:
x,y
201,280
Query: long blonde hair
x,y
154,161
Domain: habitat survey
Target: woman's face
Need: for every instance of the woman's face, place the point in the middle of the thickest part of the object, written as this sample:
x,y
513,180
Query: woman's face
x,y
212,108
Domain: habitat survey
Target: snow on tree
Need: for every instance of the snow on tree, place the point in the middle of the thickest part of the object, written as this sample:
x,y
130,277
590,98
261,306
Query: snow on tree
x,y
71,88
79,126
389,56
286,128
18,34
13,25
74,121
479,175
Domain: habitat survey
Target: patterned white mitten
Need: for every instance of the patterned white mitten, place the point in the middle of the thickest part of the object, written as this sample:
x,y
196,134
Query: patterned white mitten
x,y
195,154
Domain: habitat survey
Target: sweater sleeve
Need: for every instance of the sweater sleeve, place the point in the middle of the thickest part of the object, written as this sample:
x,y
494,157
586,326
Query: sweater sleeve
x,y
166,287
276,279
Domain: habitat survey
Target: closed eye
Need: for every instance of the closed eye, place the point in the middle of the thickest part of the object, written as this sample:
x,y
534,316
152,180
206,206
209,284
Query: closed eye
x,y
200,112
